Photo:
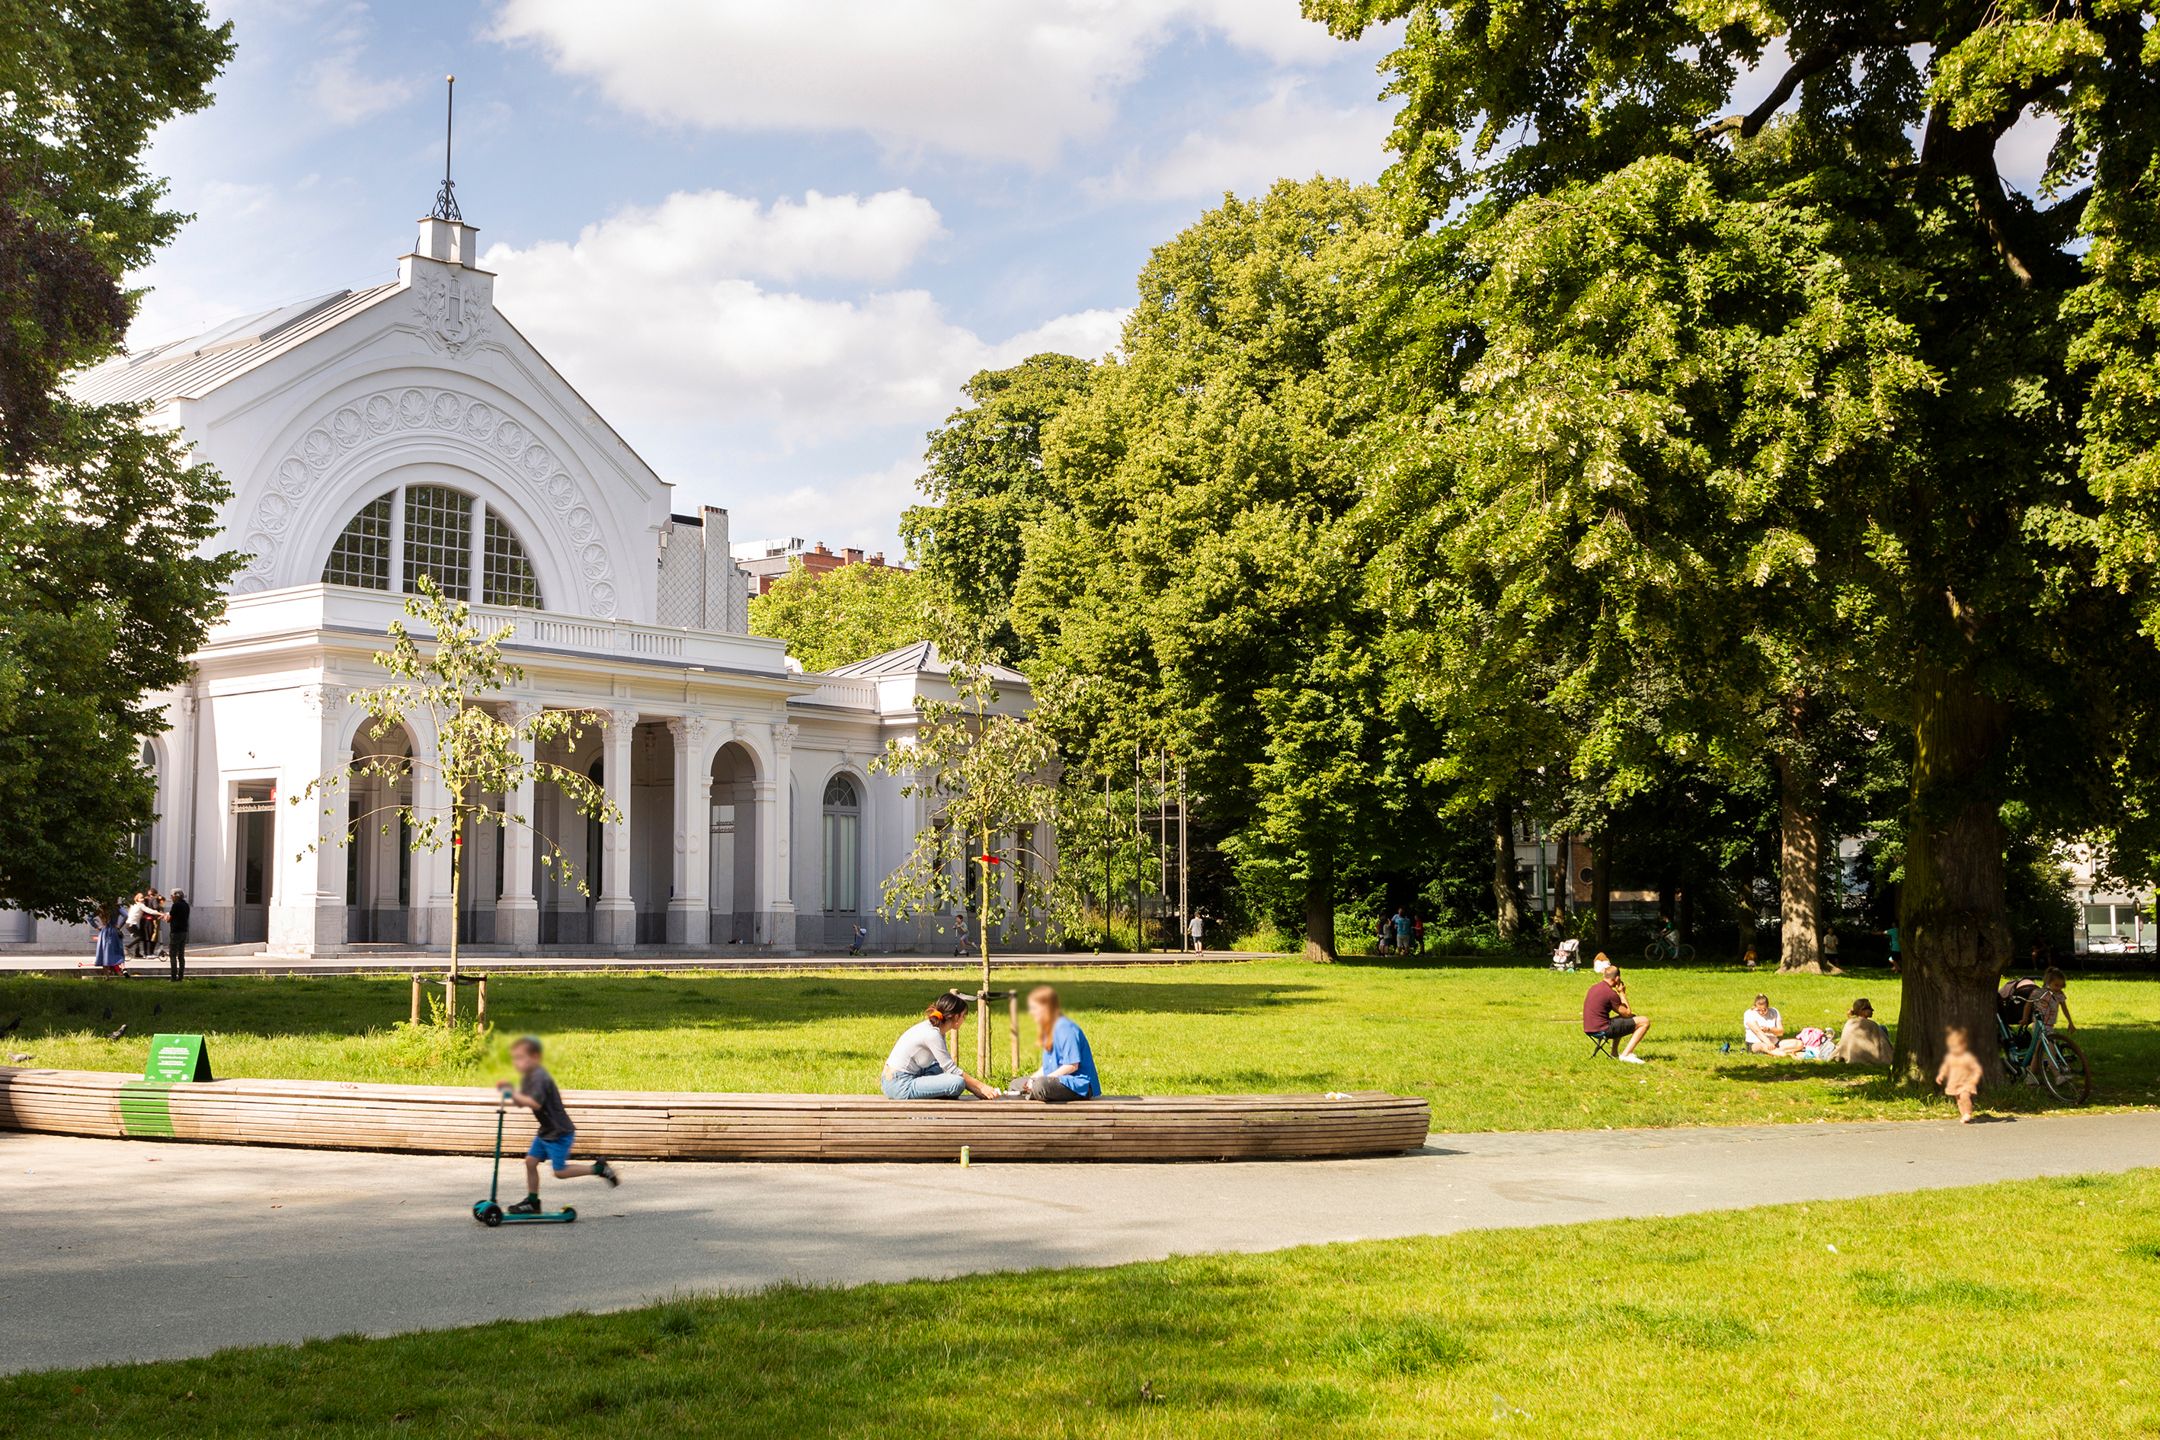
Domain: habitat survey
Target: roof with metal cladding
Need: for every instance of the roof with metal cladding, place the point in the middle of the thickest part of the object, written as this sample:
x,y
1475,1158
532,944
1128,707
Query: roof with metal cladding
x,y
190,368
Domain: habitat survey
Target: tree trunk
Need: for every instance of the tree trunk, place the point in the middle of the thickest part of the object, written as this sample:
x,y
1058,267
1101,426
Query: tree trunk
x,y
1800,860
1743,893
1510,907
1601,890
1320,908
1952,909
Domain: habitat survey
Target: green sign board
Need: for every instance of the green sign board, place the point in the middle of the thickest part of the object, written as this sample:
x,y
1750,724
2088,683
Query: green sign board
x,y
178,1059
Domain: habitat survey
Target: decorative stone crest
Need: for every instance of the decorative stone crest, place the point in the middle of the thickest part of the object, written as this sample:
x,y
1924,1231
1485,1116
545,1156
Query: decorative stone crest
x,y
350,429
453,312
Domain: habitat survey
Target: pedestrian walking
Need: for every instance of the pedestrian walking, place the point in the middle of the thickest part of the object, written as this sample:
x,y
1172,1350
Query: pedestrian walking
x,y
1196,932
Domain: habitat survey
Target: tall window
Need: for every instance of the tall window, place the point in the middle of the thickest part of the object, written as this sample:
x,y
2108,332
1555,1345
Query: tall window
x,y
443,534
438,540
362,554
506,576
843,843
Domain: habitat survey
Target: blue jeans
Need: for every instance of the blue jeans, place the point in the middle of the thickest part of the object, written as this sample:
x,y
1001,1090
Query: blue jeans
x,y
937,1085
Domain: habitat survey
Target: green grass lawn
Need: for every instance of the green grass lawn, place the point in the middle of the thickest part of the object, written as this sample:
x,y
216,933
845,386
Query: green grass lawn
x,y
1493,1047
2021,1309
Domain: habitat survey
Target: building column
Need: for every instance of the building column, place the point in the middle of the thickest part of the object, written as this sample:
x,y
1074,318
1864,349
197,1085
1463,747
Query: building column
x,y
689,922
615,916
517,910
776,877
307,901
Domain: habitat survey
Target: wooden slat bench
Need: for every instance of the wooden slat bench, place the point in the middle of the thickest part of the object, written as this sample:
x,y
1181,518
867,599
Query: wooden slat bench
x,y
442,1119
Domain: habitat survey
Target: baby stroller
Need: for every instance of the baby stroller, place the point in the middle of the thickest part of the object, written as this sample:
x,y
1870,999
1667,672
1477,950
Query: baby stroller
x,y
1568,956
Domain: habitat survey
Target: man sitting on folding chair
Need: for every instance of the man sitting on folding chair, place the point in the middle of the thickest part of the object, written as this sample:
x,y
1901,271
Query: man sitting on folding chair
x,y
1608,1021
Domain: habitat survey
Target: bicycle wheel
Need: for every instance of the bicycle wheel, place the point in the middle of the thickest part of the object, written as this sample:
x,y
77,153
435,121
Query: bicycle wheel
x,y
2063,1069
1652,951
1687,953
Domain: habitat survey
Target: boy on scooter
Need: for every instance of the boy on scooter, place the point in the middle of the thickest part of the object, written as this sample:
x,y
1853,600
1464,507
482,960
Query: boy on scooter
x,y
536,1091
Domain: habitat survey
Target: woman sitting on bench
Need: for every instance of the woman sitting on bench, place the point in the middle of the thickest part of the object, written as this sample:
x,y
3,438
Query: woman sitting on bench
x,y
1068,1065
921,1066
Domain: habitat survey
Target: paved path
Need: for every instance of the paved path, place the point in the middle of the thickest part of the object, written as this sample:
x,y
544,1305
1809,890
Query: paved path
x,y
252,960
120,1250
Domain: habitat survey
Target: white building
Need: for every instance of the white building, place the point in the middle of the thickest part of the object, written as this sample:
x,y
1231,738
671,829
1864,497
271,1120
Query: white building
x,y
374,436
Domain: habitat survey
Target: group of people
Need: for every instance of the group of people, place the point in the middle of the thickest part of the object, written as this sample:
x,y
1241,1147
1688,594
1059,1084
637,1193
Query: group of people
x,y
921,1066
1608,1016
1401,933
140,927
1863,1041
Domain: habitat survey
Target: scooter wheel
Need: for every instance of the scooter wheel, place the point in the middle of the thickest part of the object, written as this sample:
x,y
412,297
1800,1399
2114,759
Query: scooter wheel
x,y
489,1215
568,1214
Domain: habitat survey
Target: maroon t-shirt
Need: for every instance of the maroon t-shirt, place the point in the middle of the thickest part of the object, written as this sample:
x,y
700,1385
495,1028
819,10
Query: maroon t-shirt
x,y
1599,1006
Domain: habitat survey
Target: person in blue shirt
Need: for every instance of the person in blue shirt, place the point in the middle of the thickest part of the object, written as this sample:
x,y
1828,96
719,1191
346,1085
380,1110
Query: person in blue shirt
x,y
1068,1065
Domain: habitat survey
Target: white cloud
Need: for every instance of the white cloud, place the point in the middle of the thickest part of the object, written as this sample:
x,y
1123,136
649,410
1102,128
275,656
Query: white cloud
x,y
715,235
660,317
986,78
348,97
1287,134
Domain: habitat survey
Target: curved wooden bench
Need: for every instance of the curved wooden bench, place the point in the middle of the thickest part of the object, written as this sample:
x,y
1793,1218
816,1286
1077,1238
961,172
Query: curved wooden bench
x,y
441,1119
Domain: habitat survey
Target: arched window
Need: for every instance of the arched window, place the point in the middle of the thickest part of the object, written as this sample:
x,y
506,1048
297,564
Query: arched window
x,y
443,534
843,843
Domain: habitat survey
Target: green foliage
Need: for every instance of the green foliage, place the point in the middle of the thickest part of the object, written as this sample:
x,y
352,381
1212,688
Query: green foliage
x,y
1193,585
106,591
985,482
843,615
984,781
1704,415
442,681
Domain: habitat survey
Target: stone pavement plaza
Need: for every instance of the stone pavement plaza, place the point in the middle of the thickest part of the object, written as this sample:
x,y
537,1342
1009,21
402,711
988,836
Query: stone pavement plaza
x,y
133,1250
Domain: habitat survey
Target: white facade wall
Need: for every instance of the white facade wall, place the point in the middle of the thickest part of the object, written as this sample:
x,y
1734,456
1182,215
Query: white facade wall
x,y
642,625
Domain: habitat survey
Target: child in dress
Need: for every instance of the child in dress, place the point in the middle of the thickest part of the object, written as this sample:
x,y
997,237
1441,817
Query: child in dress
x,y
1959,1074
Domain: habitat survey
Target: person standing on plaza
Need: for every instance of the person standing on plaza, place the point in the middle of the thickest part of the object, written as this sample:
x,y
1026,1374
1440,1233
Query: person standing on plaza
x,y
1196,931
177,914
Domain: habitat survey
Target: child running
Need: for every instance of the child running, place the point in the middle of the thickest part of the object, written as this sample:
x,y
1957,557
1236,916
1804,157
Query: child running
x,y
1960,1073
536,1091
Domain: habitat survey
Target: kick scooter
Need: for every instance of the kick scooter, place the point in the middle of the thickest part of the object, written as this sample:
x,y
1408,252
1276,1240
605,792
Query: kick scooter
x,y
490,1212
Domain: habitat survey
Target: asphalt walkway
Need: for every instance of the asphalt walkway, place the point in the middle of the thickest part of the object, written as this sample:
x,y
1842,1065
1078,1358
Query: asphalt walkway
x,y
120,1250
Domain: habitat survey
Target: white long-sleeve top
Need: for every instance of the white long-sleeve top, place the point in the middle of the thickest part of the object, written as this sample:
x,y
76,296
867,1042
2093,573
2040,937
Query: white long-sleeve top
x,y
921,1050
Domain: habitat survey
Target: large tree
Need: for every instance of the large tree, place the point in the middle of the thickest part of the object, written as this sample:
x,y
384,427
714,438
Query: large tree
x,y
984,483
1193,584
105,591
1794,401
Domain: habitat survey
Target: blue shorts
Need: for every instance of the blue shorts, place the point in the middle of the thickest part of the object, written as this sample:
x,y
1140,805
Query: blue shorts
x,y
555,1152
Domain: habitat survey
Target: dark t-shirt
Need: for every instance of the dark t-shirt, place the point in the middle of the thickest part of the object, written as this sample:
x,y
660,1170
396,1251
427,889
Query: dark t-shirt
x,y
539,1086
179,910
1599,1006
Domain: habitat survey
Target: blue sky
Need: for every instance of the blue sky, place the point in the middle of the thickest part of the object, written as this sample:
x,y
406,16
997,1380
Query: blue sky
x,y
768,241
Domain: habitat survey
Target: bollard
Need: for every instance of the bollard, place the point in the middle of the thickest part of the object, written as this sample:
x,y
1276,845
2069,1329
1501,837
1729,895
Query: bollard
x,y
416,998
480,1016
1012,998
449,1000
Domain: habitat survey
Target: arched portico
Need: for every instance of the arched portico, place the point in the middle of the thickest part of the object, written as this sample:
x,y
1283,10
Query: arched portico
x,y
732,847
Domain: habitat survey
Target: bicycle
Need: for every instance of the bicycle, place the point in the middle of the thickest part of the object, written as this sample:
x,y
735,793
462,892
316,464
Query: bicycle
x,y
1666,948
2054,1060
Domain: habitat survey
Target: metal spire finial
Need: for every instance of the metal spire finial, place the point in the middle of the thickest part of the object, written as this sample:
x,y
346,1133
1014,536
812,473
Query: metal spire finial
x,y
446,198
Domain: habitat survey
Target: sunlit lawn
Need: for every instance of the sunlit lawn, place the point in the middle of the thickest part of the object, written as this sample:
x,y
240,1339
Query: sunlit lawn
x,y
1493,1047
2008,1310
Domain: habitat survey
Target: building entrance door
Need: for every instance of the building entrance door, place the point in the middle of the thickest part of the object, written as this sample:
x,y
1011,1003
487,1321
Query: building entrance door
x,y
254,819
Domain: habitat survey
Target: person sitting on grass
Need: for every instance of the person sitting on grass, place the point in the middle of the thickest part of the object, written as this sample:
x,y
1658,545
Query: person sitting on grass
x,y
921,1066
1764,1028
1068,1064
1863,1041
536,1091
1959,1074
1605,1012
